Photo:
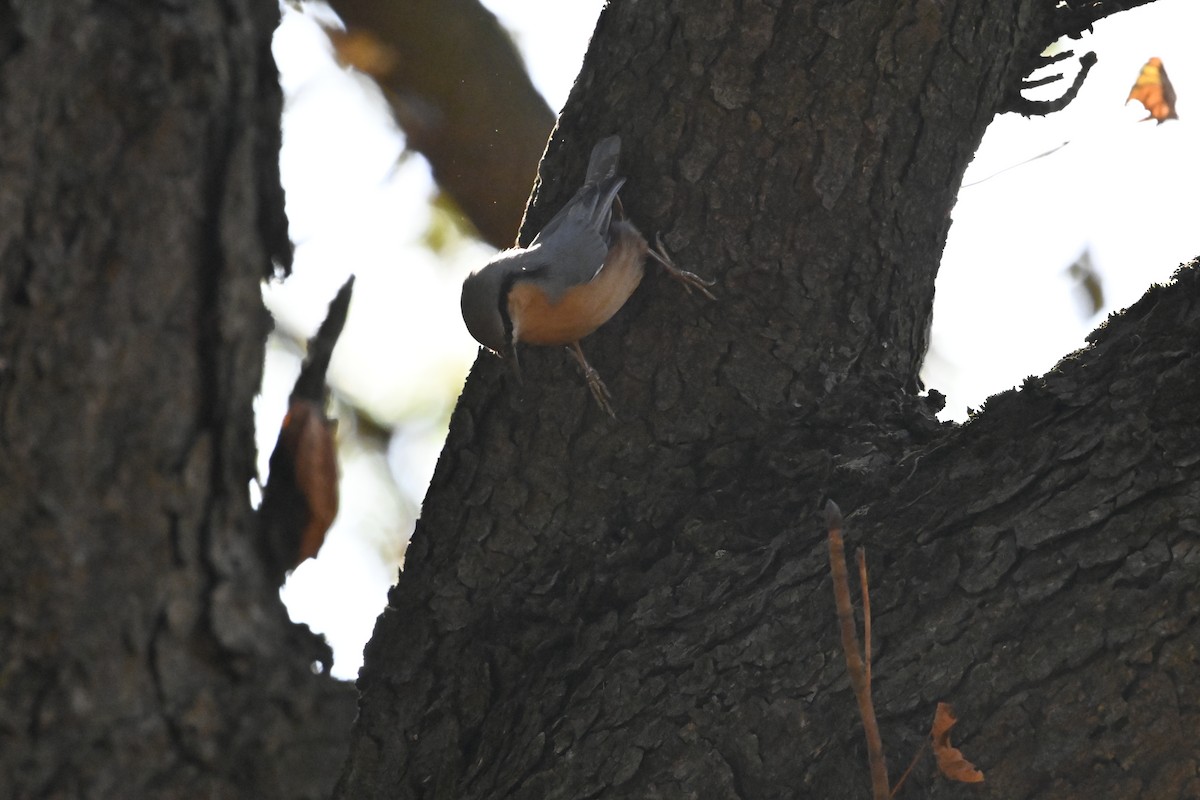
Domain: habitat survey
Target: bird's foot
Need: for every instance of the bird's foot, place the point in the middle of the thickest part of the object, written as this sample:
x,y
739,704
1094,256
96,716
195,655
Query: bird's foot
x,y
690,280
599,391
594,382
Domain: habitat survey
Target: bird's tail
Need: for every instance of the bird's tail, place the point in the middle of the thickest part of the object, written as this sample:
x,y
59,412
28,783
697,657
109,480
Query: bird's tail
x,y
603,163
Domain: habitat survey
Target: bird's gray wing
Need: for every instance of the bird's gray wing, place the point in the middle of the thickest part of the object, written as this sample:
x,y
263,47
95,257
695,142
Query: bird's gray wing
x,y
569,255
574,242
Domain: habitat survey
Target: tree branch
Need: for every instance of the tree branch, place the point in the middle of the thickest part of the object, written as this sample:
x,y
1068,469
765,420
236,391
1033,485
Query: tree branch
x,y
461,94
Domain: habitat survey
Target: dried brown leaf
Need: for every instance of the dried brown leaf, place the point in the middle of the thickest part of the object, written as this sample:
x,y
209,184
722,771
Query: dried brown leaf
x,y
950,760
1153,90
308,437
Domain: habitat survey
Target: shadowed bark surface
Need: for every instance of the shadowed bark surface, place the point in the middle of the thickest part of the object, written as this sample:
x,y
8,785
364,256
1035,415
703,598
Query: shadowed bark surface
x,y
597,608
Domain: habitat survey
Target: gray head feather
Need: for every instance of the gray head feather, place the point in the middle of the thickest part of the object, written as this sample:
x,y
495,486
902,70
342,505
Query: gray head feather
x,y
481,306
568,252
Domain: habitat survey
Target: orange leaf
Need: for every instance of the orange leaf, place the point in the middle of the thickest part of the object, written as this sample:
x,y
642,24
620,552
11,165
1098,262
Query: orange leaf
x,y
1154,90
949,759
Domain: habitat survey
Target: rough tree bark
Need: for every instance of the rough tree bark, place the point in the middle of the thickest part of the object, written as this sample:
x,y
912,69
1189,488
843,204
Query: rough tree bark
x,y
142,652
596,608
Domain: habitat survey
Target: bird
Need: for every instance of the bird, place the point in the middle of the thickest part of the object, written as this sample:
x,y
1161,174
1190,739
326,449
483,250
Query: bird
x,y
572,278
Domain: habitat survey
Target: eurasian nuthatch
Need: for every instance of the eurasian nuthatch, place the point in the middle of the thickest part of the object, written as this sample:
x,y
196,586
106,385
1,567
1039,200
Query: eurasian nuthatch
x,y
573,277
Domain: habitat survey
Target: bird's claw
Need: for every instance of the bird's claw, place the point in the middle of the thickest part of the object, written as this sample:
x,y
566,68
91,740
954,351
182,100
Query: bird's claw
x,y
599,390
690,280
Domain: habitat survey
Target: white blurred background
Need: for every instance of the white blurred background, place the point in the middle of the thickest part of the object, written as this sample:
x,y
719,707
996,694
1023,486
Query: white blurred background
x,y
1008,303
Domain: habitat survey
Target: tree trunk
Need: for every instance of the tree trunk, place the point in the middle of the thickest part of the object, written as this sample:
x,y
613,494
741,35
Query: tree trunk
x,y
598,608
144,654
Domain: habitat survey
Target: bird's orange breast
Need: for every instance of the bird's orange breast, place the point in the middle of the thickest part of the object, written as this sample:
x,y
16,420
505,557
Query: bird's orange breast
x,y
583,308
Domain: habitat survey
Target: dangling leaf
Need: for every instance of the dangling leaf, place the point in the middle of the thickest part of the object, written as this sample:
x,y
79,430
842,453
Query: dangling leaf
x,y
1154,90
950,760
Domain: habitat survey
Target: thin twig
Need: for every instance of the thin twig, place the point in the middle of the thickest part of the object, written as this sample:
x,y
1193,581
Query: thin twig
x,y
854,661
920,752
1018,164
860,556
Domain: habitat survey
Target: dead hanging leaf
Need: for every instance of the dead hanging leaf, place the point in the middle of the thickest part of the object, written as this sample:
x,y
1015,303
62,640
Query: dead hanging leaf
x,y
950,760
364,51
1154,91
300,498
307,437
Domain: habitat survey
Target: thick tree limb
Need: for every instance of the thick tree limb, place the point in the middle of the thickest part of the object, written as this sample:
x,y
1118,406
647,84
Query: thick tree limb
x,y
461,93
599,609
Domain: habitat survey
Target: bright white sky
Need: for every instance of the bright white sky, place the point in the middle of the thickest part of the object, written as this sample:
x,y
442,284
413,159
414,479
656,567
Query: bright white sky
x,y
1006,307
